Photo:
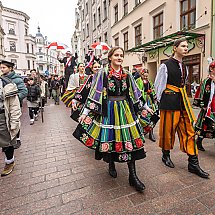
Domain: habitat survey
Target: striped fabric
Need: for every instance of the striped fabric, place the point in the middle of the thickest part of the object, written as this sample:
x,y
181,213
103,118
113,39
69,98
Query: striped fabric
x,y
185,100
177,121
67,97
119,131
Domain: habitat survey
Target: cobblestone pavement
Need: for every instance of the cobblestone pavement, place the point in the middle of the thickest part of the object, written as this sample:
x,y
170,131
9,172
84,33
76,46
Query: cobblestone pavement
x,y
55,174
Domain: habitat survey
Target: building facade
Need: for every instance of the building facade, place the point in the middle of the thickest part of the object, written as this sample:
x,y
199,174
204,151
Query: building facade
x,y
146,29
19,45
2,56
94,25
46,59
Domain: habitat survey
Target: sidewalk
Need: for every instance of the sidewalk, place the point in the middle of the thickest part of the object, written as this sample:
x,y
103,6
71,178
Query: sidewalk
x,y
55,174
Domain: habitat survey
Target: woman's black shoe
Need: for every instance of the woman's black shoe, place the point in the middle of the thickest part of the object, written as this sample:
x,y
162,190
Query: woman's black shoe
x,y
133,179
112,170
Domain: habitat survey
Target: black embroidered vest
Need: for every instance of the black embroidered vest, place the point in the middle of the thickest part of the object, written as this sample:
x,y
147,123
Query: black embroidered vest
x,y
176,77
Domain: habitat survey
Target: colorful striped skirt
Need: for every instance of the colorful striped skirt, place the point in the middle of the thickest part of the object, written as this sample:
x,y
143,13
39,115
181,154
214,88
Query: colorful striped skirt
x,y
116,137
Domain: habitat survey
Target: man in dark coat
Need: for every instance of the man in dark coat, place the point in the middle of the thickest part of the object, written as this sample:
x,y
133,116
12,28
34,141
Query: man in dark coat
x,y
69,63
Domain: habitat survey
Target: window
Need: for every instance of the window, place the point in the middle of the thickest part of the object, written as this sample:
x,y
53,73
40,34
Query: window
x,y
88,33
158,26
105,37
116,13
125,7
100,39
137,2
86,8
82,14
15,63
116,41
40,50
138,35
27,45
26,32
105,8
12,46
99,16
94,21
29,64
11,29
125,41
188,14
32,48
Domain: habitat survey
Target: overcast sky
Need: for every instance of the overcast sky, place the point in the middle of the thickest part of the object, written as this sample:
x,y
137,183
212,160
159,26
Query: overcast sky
x,y
55,18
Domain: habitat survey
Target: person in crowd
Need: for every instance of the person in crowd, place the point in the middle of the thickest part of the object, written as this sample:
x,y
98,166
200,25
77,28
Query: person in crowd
x,y
33,100
50,79
205,99
8,72
148,92
44,91
35,76
89,59
109,123
135,73
76,82
10,113
176,113
69,62
82,93
55,85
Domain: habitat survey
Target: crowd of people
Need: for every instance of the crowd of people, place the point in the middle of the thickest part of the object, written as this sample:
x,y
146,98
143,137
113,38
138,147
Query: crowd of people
x,y
115,109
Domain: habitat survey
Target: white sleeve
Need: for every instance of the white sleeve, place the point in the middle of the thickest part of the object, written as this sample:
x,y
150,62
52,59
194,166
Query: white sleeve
x,y
86,111
161,81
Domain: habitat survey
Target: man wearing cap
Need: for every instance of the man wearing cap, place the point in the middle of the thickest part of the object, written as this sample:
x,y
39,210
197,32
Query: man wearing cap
x,y
9,73
69,63
205,99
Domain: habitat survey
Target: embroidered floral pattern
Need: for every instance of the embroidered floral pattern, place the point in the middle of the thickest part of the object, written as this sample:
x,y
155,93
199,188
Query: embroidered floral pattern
x,y
207,88
89,142
105,147
139,142
84,138
118,146
128,146
87,120
111,85
124,157
124,85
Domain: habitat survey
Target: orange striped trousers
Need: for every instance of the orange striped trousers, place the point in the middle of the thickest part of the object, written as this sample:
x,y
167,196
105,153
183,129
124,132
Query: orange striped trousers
x,y
177,121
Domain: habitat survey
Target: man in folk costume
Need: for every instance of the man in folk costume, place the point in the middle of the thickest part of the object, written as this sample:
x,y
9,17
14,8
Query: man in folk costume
x,y
69,63
90,58
176,114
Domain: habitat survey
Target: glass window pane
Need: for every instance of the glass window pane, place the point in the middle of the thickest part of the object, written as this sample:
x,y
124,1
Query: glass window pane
x,y
192,3
193,18
184,20
184,6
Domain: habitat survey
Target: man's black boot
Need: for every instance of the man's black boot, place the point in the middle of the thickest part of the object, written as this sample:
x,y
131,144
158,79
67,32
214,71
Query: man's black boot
x,y
193,167
166,159
199,144
112,170
152,136
133,179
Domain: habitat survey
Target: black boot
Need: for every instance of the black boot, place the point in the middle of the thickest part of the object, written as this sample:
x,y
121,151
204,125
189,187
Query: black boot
x,y
133,179
193,167
152,136
112,170
166,159
199,144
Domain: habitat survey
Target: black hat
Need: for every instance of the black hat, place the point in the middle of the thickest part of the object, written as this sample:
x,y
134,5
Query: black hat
x,y
7,63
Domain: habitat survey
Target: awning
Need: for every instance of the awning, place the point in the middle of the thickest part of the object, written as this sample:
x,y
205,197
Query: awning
x,y
165,41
